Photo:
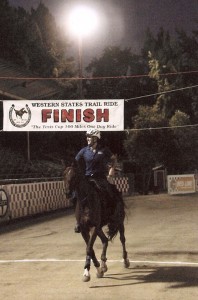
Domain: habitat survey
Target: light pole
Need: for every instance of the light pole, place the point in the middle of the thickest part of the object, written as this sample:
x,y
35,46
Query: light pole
x,y
80,67
82,21
28,146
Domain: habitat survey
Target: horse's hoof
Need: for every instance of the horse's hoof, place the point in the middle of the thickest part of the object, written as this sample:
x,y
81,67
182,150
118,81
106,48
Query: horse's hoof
x,y
100,273
86,276
126,263
104,267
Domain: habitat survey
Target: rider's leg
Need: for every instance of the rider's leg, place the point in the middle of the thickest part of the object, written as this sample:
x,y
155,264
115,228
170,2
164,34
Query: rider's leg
x,y
77,214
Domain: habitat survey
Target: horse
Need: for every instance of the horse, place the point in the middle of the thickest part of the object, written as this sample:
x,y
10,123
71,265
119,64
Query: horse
x,y
93,212
20,113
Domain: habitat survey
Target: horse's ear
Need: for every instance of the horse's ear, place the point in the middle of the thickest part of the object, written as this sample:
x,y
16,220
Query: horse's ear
x,y
63,163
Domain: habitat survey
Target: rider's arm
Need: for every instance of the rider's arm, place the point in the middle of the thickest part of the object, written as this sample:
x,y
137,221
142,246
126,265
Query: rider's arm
x,y
80,154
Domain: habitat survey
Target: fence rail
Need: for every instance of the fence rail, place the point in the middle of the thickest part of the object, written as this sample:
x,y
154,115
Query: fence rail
x,y
28,180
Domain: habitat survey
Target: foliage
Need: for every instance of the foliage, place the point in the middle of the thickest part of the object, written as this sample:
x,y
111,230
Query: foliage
x,y
113,63
173,64
146,146
14,166
174,148
111,69
32,40
179,119
186,140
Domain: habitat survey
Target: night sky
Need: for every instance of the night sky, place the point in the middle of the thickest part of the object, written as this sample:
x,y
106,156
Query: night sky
x,y
124,22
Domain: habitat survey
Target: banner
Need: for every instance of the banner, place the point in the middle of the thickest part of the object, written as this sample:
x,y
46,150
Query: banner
x,y
181,184
63,115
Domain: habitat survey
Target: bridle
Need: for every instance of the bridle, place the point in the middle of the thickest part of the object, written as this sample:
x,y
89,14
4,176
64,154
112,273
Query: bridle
x,y
69,181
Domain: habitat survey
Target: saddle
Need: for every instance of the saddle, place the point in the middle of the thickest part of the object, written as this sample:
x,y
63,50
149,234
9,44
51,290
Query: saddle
x,y
100,184
110,196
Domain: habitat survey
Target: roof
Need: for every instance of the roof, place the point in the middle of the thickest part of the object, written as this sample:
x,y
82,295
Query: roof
x,y
160,167
12,87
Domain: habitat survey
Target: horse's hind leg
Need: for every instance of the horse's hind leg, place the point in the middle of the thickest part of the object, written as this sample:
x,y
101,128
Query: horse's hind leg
x,y
104,241
123,241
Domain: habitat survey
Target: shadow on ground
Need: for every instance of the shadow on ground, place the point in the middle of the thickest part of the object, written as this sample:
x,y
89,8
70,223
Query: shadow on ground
x,y
25,222
178,277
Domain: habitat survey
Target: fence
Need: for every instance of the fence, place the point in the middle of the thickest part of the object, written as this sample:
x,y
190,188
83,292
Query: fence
x,y
32,198
26,199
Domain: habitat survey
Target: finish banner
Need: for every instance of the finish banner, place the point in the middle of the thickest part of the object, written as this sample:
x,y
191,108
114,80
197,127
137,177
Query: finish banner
x,y
63,115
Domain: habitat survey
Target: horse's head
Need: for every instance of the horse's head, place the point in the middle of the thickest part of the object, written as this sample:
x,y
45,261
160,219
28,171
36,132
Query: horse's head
x,y
69,178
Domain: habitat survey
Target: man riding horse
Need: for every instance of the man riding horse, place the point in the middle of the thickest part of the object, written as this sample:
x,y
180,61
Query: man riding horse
x,y
96,159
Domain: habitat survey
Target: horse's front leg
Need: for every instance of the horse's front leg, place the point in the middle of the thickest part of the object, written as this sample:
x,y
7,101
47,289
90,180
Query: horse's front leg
x,y
104,241
86,237
90,254
86,274
123,240
93,234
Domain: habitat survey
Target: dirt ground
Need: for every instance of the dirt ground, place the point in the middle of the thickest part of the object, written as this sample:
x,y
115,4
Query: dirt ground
x,y
42,258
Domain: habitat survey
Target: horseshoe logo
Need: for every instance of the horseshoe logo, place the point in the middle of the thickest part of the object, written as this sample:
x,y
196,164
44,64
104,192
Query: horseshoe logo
x,y
3,203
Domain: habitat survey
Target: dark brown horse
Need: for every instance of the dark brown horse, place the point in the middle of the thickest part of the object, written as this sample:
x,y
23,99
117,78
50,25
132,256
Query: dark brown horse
x,y
94,211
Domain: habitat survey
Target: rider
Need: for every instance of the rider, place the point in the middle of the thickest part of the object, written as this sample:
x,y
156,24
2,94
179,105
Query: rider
x,y
96,159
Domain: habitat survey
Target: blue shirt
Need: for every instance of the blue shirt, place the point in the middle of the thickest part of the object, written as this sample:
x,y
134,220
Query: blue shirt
x,y
96,162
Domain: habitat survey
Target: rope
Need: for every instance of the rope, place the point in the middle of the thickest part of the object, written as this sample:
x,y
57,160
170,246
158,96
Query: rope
x,y
161,93
159,128
94,78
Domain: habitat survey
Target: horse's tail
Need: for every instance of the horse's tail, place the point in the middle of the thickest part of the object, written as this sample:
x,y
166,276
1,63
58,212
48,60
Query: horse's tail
x,y
115,221
112,230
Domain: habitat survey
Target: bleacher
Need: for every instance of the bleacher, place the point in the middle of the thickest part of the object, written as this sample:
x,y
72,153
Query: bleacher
x,y
14,167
